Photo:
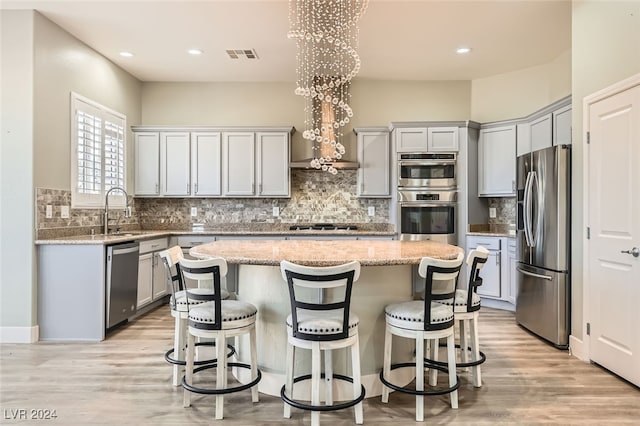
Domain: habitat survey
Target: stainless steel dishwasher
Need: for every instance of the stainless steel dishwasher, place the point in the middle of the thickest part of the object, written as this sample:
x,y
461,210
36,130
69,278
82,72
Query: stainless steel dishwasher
x,y
122,282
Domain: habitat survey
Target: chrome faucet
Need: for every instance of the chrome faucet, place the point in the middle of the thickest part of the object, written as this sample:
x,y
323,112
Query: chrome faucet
x,y
106,206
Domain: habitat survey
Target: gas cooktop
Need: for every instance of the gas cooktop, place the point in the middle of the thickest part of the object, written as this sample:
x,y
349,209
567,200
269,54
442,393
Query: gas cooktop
x,y
323,227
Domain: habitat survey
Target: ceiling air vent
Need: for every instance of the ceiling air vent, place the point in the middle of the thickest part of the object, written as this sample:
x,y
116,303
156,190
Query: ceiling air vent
x,y
242,54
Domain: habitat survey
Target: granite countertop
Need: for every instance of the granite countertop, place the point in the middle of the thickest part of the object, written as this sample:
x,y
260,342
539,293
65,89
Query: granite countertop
x,y
492,230
258,230
325,253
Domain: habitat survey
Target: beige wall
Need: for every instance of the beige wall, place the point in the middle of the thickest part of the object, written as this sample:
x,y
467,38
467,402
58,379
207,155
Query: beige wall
x,y
519,93
606,49
374,102
63,64
17,258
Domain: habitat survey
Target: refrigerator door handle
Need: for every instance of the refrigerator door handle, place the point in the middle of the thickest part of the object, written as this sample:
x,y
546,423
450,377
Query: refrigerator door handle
x,y
527,210
535,236
531,274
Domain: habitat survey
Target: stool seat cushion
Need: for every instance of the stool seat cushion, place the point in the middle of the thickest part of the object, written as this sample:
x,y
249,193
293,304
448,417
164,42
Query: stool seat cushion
x,y
461,300
323,322
410,315
181,298
233,311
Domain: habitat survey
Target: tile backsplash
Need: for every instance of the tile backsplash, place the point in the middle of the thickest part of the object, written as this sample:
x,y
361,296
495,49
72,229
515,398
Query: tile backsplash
x,y
315,197
505,210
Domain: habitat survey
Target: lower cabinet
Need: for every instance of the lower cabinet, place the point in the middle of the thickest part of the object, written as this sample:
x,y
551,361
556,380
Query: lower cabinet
x,y
498,274
152,278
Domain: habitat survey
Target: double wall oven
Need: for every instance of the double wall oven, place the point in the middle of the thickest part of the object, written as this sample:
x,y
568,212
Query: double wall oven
x,y
427,197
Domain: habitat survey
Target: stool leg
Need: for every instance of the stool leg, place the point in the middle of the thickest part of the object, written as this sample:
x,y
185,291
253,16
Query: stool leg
x,y
254,363
288,384
178,348
464,343
419,376
475,347
315,382
328,377
386,363
188,375
357,386
435,350
451,352
221,370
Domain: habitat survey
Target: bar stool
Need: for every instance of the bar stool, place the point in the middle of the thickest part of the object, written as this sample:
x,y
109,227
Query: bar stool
x,y
178,304
466,312
217,319
322,326
425,320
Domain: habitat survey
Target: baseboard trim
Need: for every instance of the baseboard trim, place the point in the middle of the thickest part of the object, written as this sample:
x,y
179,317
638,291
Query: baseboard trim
x,y
19,334
578,349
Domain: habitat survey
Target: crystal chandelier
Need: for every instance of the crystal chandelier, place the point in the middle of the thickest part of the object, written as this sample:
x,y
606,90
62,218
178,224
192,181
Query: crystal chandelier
x,y
326,34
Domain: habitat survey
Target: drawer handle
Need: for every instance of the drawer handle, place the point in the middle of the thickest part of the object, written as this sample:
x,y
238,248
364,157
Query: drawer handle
x,y
155,245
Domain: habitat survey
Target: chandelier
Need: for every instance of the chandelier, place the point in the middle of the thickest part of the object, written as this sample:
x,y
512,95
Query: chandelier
x,y
326,35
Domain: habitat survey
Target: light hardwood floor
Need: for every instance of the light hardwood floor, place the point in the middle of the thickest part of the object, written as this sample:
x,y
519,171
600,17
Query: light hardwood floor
x,y
124,380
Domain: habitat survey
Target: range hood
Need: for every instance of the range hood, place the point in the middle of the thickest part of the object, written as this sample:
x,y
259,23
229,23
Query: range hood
x,y
338,164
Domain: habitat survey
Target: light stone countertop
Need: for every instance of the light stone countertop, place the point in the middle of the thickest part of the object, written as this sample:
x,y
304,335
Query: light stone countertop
x,y
325,253
125,236
510,234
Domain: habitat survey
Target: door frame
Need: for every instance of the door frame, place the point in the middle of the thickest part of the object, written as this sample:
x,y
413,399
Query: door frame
x,y
584,352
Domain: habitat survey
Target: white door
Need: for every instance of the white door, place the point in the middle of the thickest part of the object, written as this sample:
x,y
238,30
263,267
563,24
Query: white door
x,y
614,221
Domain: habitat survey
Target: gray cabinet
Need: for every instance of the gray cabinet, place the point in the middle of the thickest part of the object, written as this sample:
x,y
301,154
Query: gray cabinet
x,y
152,279
442,139
430,139
512,287
499,273
540,132
175,164
497,161
410,139
147,163
374,160
562,125
238,164
206,164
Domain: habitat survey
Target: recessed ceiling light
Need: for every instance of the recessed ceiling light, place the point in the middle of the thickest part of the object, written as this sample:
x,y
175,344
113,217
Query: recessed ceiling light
x,y
126,54
194,52
463,50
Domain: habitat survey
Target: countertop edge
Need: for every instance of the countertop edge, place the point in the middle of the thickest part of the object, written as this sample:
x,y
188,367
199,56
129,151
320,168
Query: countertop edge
x,y
491,234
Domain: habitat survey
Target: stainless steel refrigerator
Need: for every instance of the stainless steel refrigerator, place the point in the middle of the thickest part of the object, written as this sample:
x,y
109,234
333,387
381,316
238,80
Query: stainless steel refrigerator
x,y
543,243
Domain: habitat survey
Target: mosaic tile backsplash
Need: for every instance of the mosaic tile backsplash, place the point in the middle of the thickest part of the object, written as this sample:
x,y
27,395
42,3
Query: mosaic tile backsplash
x,y
505,210
315,197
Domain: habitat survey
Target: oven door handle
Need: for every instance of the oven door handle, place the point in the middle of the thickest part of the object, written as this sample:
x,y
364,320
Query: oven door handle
x,y
425,163
423,204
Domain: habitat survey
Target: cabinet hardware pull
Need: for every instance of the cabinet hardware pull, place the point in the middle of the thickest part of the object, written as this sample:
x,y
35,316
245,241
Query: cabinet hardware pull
x,y
196,188
157,188
155,245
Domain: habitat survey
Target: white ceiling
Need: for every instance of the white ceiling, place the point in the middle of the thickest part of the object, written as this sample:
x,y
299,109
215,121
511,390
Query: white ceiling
x,y
399,40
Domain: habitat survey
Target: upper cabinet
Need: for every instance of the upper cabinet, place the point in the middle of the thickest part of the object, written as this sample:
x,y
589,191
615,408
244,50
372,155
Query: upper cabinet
x,y
540,132
212,162
374,157
545,128
562,125
429,139
497,161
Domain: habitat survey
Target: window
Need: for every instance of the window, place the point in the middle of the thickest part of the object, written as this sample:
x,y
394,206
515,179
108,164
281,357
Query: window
x,y
98,153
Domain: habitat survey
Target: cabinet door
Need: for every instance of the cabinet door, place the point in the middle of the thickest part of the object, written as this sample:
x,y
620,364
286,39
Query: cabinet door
x,y
375,163
511,287
562,126
145,279
272,165
147,163
442,139
540,131
523,139
238,164
205,164
409,140
497,161
159,277
174,163
491,277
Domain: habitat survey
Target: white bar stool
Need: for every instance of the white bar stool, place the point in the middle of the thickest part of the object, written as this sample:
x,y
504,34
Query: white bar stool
x,y
425,320
321,325
217,319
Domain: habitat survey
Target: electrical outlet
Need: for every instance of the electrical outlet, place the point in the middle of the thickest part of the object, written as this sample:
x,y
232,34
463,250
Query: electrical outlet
x,y
49,211
276,211
492,212
194,211
64,212
371,210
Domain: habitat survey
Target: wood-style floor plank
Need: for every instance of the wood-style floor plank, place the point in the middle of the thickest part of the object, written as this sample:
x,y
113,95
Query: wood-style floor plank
x,y
125,380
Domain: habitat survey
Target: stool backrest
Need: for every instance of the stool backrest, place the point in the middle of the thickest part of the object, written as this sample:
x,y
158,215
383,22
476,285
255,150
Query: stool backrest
x,y
170,257
441,281
476,260
339,278
213,269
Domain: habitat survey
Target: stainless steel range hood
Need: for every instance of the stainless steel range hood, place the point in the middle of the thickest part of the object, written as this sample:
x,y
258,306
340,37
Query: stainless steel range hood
x,y
339,164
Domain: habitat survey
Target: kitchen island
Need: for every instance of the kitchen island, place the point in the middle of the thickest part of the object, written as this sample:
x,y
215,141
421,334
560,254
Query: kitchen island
x,y
386,277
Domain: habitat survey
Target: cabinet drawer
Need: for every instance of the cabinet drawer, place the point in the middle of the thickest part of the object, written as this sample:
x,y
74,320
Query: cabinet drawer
x,y
511,244
194,240
490,243
157,244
